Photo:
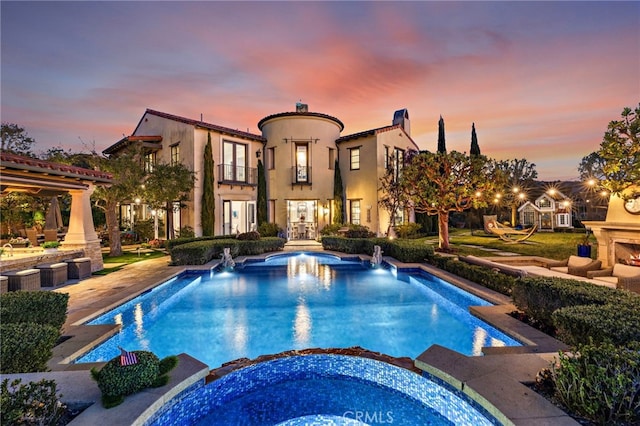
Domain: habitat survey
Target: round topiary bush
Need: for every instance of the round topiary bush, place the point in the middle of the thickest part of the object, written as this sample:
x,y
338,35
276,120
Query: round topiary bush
x,y
249,236
117,381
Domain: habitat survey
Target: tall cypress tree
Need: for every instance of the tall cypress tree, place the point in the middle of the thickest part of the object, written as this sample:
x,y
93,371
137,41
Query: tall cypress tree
x,y
338,199
475,148
262,195
442,147
208,214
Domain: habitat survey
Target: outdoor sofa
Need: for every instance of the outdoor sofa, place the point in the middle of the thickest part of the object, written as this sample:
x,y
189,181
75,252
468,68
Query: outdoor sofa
x,y
575,265
626,277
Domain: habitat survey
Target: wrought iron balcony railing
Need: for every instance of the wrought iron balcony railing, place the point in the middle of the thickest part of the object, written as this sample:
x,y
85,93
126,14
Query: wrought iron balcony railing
x,y
230,174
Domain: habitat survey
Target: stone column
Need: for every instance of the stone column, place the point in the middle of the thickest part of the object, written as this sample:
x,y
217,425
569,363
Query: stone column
x,y
82,233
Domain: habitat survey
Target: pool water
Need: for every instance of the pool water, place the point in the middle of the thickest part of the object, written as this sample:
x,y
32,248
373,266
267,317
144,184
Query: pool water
x,y
296,302
322,390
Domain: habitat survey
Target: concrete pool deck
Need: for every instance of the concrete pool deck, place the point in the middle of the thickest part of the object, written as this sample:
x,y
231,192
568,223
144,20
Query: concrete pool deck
x,y
496,380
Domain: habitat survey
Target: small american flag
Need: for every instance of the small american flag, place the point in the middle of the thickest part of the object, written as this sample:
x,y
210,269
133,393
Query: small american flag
x,y
127,358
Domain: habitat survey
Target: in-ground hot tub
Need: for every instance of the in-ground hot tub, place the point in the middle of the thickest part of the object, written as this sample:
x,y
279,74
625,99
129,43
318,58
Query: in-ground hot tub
x,y
321,390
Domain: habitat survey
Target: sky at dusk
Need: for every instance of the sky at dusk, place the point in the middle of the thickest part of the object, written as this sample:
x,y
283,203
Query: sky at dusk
x,y
540,80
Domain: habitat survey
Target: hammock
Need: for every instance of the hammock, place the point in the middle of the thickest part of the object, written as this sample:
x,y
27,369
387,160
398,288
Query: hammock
x,y
506,233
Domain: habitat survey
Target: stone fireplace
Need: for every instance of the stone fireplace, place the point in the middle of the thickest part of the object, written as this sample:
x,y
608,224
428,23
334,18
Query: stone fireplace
x,y
618,236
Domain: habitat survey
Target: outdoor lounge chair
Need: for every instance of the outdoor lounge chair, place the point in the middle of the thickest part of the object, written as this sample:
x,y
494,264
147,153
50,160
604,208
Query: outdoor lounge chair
x,y
575,265
626,277
507,233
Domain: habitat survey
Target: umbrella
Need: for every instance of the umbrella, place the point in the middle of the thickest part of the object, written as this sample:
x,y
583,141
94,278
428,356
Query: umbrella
x,y
53,220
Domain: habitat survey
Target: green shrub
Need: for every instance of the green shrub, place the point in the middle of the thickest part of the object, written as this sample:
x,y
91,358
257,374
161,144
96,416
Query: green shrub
x,y
26,347
116,381
269,229
407,251
408,230
203,251
489,278
31,403
42,307
186,232
601,383
170,244
348,245
359,231
249,236
331,229
539,297
612,323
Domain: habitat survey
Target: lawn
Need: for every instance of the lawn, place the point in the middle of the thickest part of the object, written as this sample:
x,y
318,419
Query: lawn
x,y
552,245
127,258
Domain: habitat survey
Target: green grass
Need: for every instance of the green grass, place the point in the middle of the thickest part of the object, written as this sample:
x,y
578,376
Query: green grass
x,y
552,245
127,258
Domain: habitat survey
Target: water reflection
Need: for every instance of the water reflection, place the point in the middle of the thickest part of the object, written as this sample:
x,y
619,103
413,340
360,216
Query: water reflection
x,y
302,323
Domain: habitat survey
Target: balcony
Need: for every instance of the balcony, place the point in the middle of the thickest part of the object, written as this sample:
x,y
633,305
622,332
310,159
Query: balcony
x,y
300,175
235,175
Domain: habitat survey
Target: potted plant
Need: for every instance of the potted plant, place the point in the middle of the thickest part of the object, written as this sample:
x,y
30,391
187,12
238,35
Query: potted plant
x,y
17,242
50,246
584,246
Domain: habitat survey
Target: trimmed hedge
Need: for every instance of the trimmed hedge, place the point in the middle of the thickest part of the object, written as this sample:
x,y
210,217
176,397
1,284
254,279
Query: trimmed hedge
x,y
487,277
42,307
26,347
539,297
170,244
203,251
611,323
116,381
407,251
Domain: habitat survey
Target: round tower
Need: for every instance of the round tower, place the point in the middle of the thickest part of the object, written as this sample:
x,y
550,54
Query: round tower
x,y
300,157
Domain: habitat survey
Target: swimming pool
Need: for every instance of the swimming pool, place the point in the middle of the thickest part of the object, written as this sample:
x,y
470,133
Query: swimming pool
x,y
322,390
295,302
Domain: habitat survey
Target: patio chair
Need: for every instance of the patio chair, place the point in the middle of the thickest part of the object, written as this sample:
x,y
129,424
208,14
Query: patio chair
x,y
626,277
575,265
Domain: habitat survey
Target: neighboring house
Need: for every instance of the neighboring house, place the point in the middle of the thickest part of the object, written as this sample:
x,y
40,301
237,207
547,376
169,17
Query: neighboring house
x,y
299,150
550,211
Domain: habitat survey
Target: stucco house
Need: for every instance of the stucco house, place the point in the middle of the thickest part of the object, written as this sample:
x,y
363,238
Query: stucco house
x,y
550,211
299,150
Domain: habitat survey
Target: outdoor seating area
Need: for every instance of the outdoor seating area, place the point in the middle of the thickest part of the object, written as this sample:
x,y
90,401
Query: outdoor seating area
x,y
575,265
46,275
625,277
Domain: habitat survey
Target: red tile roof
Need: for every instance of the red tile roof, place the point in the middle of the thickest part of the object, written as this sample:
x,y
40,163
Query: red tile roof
x,y
300,114
19,162
376,131
214,127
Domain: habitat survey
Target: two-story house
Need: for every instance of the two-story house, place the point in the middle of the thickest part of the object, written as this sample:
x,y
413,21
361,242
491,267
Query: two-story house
x,y
299,150
551,210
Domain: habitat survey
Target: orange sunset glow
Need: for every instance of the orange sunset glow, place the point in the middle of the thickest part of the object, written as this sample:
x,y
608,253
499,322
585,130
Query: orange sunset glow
x,y
540,80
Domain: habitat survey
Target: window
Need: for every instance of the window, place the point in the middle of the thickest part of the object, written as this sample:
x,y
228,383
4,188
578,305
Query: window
x,y
234,158
386,157
149,161
332,158
302,162
355,211
175,154
355,158
398,155
271,158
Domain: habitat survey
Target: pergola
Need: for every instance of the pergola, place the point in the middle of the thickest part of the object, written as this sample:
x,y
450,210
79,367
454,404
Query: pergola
x,y
44,178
